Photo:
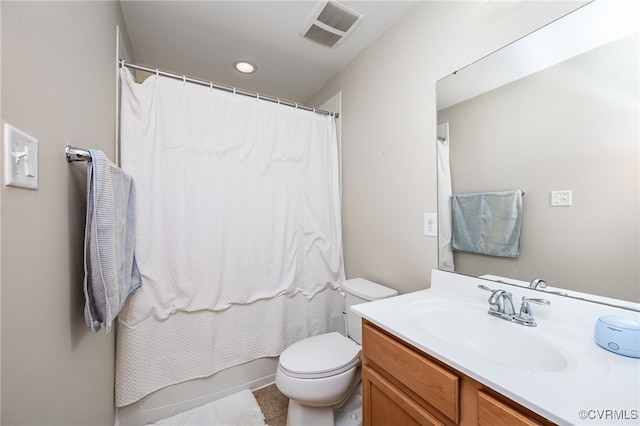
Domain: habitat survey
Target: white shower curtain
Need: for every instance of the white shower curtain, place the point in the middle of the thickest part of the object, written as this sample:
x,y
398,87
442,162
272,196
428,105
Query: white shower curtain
x,y
238,229
445,251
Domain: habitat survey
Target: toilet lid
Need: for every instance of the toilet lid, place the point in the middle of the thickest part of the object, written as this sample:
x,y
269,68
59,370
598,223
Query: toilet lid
x,y
320,356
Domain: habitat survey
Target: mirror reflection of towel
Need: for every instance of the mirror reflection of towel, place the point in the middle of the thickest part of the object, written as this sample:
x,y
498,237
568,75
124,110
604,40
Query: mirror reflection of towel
x,y
487,223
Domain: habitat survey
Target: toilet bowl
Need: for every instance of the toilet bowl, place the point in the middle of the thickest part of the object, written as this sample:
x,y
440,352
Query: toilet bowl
x,y
320,373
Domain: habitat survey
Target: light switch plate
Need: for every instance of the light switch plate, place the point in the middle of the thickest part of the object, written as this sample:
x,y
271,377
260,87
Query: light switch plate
x,y
560,198
20,158
431,224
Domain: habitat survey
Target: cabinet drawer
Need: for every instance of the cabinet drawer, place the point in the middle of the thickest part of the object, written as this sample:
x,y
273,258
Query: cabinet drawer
x,y
493,412
434,384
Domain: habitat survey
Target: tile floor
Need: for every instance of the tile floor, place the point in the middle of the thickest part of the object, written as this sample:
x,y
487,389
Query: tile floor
x,y
273,405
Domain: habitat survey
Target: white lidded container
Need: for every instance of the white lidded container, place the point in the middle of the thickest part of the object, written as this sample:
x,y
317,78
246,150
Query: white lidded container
x,y
357,291
619,334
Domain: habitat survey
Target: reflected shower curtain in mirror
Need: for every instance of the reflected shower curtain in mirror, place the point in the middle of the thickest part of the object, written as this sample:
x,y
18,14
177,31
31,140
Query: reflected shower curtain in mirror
x,y
445,251
238,233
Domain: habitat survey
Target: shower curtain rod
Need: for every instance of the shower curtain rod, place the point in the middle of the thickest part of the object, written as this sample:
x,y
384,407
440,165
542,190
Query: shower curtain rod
x,y
233,90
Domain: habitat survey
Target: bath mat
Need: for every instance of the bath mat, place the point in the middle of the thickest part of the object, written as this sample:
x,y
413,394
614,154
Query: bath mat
x,y
239,409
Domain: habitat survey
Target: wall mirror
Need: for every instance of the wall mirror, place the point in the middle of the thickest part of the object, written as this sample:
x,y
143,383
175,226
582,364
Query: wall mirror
x,y
554,114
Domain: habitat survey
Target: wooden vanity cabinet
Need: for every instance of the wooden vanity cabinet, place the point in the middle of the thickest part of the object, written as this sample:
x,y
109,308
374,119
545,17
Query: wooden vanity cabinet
x,y
404,386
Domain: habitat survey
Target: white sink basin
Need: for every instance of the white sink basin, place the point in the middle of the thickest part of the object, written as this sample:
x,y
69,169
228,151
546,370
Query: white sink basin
x,y
529,349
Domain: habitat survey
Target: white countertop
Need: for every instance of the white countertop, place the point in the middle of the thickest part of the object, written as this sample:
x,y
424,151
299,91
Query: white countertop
x,y
603,390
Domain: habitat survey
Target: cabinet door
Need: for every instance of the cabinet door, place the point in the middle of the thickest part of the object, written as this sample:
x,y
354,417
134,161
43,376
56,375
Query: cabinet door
x,y
492,412
437,386
383,404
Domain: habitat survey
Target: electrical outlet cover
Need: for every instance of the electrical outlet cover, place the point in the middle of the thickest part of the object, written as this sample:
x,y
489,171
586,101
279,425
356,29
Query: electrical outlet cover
x,y
431,224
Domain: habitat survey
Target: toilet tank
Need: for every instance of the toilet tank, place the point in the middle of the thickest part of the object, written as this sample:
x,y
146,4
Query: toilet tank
x,y
359,290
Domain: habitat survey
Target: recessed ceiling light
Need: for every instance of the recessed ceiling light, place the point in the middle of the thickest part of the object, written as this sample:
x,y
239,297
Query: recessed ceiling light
x,y
245,67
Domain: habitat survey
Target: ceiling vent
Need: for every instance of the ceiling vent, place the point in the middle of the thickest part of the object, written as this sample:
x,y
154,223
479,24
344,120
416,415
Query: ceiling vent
x,y
330,23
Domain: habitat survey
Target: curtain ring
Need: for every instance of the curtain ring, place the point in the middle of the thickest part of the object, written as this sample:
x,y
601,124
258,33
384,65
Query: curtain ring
x,y
257,96
278,101
157,72
314,110
184,79
211,86
296,105
234,91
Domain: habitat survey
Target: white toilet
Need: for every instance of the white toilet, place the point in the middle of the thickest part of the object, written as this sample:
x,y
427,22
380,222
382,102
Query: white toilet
x,y
320,373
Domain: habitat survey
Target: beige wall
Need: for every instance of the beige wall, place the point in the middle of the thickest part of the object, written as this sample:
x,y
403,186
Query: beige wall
x,y
58,85
389,128
573,127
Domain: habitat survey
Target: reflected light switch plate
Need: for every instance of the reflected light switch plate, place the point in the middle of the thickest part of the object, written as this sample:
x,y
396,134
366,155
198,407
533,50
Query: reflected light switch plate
x,y
20,158
560,198
431,224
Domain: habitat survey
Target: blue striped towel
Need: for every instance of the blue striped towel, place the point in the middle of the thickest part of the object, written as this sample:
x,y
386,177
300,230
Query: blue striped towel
x,y
110,270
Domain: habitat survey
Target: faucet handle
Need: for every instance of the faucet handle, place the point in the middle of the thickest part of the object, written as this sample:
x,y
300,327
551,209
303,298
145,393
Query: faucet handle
x,y
485,288
538,301
525,316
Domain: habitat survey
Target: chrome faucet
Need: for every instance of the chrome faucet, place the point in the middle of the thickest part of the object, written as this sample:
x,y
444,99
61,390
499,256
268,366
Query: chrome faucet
x,y
501,303
501,306
538,283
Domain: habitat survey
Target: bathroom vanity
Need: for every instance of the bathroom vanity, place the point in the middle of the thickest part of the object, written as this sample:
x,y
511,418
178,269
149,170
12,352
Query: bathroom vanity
x,y
436,357
402,385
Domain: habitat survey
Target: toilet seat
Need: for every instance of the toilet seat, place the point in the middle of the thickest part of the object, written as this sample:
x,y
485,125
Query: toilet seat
x,y
320,356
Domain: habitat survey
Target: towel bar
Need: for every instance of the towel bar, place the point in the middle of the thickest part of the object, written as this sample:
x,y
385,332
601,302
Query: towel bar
x,y
76,154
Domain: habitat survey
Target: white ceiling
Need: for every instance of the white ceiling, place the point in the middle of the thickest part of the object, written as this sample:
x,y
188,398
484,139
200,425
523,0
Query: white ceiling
x,y
202,39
